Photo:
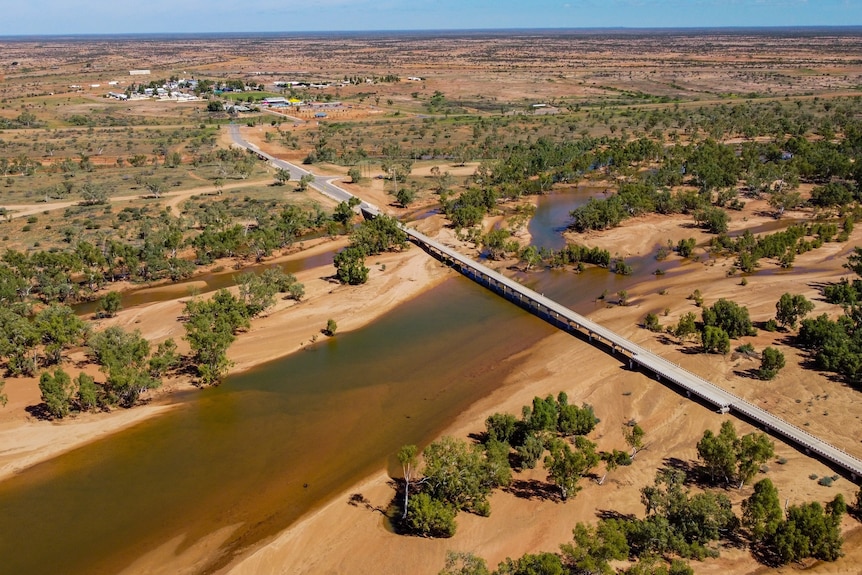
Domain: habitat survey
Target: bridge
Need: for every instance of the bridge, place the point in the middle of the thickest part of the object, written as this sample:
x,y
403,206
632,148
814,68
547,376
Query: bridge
x,y
567,320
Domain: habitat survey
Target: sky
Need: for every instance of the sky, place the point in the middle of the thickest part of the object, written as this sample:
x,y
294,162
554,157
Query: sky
x,y
60,17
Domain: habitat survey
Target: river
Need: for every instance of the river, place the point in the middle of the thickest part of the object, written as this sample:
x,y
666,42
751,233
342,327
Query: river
x,y
266,446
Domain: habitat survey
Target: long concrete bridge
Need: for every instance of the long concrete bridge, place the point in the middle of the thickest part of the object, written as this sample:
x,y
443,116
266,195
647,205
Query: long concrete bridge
x,y
567,320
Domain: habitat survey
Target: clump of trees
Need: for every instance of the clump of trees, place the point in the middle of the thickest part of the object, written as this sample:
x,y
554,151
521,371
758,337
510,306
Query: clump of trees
x,y
836,345
733,459
372,237
459,477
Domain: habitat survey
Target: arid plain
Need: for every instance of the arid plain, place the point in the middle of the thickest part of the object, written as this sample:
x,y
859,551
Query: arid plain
x,y
558,86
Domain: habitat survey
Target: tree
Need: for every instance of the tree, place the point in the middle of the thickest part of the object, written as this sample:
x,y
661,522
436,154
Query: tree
x,y
87,396
464,563
215,106
4,399
790,308
405,196
109,305
18,340
282,176
304,181
257,291
124,357
501,427
541,564
761,512
566,466
686,326
651,322
810,531
355,175
771,360
57,392
407,458
431,517
718,452
715,340
350,266
634,435
164,359
854,261
331,327
59,328
730,317
93,194
458,474
752,450
595,547
210,329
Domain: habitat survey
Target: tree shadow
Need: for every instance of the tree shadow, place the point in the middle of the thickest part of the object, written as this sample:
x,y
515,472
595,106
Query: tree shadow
x,y
533,489
692,470
359,500
39,411
751,373
613,514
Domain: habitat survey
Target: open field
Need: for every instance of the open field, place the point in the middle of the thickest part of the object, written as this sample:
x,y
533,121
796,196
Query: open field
x,y
76,167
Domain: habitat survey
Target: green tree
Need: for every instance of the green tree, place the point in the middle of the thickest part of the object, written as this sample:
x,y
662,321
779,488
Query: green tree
x,y
282,176
541,564
355,175
304,181
18,340
530,451
715,340
761,512
566,466
752,451
501,427
686,326
257,292
124,357
634,435
331,327
59,328
810,531
651,322
719,452
790,308
730,317
771,361
57,392
109,305
87,396
405,196
458,473
164,359
350,266
431,517
595,547
210,329
464,563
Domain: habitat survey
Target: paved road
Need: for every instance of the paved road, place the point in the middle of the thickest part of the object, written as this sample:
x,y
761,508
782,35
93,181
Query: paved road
x,y
323,184
563,317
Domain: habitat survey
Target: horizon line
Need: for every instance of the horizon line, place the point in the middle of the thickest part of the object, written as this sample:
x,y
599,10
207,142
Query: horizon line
x,y
240,34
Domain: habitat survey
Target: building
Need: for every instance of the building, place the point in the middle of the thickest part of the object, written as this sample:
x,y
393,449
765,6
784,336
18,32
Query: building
x,y
139,72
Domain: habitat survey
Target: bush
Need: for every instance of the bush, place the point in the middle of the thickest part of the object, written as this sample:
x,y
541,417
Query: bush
x,y
651,322
771,361
430,517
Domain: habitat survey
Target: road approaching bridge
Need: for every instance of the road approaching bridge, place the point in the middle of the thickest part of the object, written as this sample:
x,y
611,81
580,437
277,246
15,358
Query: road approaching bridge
x,y
567,320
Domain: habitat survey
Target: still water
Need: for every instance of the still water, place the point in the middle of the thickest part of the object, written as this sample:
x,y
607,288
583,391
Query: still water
x,y
266,446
